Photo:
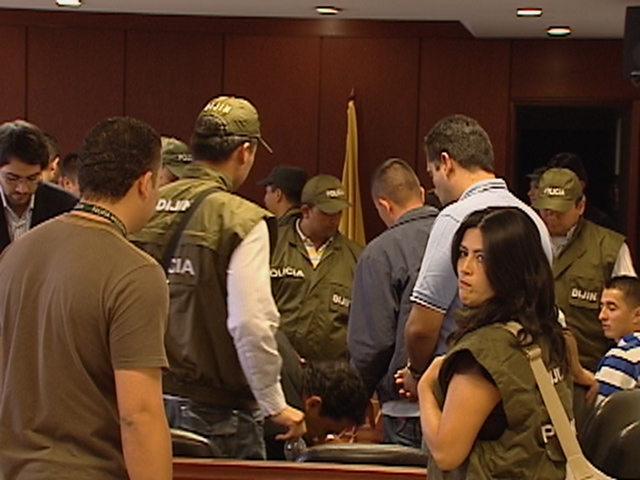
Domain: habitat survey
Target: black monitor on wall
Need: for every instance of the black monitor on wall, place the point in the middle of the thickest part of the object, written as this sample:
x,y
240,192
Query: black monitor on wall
x,y
632,44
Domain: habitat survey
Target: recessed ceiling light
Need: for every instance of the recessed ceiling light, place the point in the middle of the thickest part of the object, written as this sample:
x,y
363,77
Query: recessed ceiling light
x,y
529,12
328,10
69,3
559,31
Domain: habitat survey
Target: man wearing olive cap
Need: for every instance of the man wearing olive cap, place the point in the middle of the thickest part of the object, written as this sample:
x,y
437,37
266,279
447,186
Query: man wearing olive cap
x,y
224,375
312,273
585,256
175,158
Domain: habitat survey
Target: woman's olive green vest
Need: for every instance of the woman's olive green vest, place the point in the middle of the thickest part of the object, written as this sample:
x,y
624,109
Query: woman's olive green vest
x,y
528,448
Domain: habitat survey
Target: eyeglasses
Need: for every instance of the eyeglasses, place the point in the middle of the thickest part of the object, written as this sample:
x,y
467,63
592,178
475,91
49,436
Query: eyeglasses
x,y
13,179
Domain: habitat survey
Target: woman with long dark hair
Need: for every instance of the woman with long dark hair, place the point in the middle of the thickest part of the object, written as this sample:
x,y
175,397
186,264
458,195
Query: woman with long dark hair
x,y
482,415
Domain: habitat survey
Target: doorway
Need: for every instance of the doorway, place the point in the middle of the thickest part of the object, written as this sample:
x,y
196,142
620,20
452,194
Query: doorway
x,y
593,133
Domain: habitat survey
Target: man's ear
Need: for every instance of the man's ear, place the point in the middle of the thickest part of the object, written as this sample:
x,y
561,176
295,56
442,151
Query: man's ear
x,y
446,163
582,205
384,204
635,319
245,150
279,194
423,194
312,402
147,183
304,210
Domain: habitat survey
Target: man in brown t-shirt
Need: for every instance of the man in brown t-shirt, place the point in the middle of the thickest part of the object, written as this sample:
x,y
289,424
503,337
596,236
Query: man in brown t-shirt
x,y
82,325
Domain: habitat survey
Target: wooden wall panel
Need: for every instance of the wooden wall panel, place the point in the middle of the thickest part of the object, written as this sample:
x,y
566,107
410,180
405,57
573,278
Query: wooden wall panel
x,y
281,78
569,69
384,76
13,80
170,76
75,80
469,77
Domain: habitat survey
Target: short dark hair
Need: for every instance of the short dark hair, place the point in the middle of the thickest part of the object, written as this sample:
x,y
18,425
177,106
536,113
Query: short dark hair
x,y
114,154
572,161
463,139
52,145
520,276
291,194
339,385
210,142
69,166
396,180
23,141
629,286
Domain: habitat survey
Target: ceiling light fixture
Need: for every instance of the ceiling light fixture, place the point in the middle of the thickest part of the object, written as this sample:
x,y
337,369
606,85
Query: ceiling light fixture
x,y
559,31
328,10
69,3
529,12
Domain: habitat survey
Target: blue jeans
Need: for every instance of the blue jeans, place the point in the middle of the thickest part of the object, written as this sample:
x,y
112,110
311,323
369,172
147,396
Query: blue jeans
x,y
235,433
402,431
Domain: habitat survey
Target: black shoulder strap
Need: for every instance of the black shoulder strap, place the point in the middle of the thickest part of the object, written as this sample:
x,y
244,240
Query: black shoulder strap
x,y
170,248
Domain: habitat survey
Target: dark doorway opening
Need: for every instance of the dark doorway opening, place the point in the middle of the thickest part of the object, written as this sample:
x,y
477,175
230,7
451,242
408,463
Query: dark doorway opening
x,y
594,133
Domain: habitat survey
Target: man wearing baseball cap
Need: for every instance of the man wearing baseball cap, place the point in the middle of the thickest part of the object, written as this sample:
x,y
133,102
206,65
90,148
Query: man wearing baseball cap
x,y
312,273
283,188
224,375
586,255
175,158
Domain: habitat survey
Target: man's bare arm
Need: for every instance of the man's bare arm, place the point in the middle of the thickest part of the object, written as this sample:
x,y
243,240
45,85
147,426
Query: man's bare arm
x,y
421,335
146,442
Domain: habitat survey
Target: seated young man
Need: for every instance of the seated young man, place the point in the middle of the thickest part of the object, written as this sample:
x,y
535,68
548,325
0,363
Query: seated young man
x,y
331,394
620,318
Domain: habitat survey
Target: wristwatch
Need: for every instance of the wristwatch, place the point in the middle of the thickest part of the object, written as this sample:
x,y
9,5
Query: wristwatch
x,y
416,374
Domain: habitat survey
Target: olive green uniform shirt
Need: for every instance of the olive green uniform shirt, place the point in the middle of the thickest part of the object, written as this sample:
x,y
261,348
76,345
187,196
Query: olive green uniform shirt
x,y
314,303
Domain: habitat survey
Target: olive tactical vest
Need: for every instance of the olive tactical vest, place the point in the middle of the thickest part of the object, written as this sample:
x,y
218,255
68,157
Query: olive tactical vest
x,y
204,365
580,272
528,448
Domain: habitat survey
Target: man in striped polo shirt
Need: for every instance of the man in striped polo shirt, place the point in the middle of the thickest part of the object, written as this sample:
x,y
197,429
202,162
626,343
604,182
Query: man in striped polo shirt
x,y
620,316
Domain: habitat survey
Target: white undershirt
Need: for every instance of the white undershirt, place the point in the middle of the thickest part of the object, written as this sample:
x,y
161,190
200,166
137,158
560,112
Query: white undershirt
x,y
17,225
254,318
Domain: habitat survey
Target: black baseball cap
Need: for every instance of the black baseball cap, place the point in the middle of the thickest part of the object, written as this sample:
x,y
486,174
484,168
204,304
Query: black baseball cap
x,y
285,176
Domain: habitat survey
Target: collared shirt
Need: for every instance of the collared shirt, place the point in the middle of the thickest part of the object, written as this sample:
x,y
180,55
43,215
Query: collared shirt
x,y
17,225
437,285
315,254
385,275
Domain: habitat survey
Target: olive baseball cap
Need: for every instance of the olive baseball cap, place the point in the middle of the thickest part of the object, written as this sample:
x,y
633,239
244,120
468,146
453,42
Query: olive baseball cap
x,y
175,156
232,116
558,190
326,193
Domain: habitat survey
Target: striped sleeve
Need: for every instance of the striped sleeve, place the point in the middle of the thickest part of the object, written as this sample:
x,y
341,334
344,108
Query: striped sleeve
x,y
618,370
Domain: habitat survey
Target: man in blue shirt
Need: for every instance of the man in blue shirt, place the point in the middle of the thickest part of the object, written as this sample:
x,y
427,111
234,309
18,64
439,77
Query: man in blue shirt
x,y
620,318
385,275
460,164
